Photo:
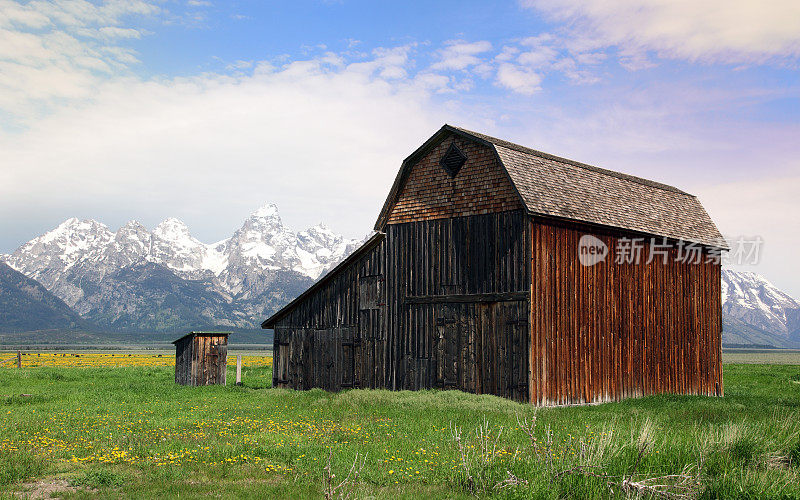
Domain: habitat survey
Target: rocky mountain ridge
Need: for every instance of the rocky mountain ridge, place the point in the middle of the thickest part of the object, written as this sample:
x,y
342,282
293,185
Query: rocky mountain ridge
x,y
757,311
26,305
233,282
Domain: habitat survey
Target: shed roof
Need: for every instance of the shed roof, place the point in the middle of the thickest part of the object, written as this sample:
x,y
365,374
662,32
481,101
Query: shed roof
x,y
566,189
201,334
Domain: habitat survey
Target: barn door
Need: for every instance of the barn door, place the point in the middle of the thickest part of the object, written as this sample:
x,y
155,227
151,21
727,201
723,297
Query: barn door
x,y
325,346
280,368
368,339
511,325
334,354
350,345
501,364
447,347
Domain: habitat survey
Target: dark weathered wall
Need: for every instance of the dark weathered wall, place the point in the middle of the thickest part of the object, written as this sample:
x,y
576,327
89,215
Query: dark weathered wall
x,y
612,331
457,295
335,338
481,186
450,312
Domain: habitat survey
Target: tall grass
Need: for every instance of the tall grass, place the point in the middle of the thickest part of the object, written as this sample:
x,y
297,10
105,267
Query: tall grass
x,y
132,432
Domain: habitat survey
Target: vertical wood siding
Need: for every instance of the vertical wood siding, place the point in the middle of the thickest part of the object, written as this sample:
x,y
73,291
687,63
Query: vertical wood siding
x,y
434,316
444,327
335,338
610,331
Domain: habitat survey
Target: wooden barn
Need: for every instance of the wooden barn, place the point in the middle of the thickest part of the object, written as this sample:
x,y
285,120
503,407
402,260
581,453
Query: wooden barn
x,y
201,358
499,269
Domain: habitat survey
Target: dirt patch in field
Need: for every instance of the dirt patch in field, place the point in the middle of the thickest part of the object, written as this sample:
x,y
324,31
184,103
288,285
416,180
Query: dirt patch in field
x,y
46,488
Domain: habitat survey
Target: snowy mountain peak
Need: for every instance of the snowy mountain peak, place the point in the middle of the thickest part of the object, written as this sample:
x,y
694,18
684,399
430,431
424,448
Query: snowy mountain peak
x,y
268,211
751,298
134,225
736,285
68,223
74,237
172,229
71,227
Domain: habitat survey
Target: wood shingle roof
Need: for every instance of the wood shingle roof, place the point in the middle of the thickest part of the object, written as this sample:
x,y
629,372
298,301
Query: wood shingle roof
x,y
557,187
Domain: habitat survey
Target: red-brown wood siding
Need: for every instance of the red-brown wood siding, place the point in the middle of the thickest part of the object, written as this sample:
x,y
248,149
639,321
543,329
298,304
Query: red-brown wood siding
x,y
481,186
610,331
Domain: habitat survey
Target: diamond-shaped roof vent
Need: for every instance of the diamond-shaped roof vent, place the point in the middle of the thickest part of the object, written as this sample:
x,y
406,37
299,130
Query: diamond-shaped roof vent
x,y
453,160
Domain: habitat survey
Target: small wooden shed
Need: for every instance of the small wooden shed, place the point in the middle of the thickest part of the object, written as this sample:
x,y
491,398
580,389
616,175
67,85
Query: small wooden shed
x,y
201,358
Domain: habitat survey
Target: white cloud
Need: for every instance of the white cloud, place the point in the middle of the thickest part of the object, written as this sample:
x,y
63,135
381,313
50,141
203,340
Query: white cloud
x,y
111,32
518,78
522,67
729,31
322,137
389,63
56,51
459,55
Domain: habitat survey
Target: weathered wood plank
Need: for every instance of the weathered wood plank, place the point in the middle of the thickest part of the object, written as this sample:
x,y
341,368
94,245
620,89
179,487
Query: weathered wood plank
x,y
469,298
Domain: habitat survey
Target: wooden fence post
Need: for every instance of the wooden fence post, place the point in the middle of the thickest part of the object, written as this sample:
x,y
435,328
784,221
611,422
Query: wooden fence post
x,y
19,359
238,369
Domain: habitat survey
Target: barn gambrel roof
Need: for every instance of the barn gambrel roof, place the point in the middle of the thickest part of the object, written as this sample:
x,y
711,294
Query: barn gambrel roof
x,y
556,187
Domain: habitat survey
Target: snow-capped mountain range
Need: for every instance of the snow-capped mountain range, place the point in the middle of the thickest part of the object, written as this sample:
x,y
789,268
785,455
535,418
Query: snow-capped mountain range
x,y
752,305
165,279
254,271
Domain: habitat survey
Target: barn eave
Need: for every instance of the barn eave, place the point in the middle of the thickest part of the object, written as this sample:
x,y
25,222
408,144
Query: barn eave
x,y
368,245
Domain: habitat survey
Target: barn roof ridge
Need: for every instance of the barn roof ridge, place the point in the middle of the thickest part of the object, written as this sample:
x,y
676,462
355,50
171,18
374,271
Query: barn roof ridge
x,y
535,152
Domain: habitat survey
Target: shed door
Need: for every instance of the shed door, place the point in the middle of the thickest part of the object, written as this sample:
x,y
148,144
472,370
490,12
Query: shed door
x,y
219,366
212,365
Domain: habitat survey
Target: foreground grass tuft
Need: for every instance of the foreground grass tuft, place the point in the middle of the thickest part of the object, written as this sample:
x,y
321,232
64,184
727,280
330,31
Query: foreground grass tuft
x,y
131,432
99,478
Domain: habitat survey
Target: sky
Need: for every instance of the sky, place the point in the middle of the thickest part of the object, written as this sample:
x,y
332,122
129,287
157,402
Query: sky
x,y
206,110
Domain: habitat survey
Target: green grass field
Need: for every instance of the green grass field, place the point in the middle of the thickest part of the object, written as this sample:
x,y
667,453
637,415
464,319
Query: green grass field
x,y
131,432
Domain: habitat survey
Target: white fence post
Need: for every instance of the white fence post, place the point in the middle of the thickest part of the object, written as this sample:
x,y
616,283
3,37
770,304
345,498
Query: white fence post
x,y
238,369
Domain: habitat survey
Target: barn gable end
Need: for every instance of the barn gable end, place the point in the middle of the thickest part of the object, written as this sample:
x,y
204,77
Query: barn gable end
x,y
429,191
